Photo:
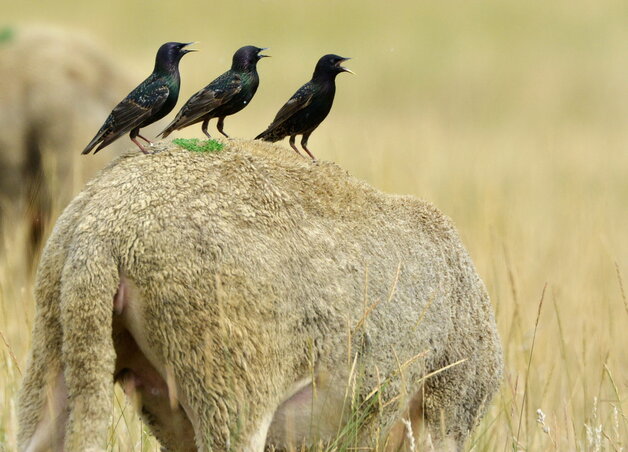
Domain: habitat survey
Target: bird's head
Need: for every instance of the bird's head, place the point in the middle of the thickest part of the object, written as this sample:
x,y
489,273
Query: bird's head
x,y
247,57
331,65
169,55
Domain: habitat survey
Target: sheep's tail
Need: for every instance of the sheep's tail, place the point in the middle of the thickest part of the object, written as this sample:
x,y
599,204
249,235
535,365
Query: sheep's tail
x,y
89,284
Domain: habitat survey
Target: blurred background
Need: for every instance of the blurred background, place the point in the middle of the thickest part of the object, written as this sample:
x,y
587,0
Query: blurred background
x,y
510,116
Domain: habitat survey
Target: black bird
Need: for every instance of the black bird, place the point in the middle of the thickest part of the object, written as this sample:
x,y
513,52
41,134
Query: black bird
x,y
226,95
307,108
153,99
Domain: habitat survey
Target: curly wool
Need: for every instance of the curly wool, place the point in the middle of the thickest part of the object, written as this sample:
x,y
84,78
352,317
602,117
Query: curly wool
x,y
255,267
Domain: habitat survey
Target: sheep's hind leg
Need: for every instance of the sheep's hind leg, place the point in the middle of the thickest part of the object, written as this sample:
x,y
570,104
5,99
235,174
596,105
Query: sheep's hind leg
x,y
150,393
139,377
411,424
88,354
257,440
228,410
229,419
50,431
42,399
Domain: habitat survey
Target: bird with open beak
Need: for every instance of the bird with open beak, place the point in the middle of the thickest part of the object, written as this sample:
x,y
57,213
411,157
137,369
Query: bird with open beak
x,y
309,106
226,95
153,99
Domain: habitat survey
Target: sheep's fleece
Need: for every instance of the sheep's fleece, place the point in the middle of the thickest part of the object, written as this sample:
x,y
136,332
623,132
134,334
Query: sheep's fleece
x,y
252,298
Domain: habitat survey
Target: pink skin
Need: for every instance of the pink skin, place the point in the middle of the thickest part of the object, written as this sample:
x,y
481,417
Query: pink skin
x,y
132,366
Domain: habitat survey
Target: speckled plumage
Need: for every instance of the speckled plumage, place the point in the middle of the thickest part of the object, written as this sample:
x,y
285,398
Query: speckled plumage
x,y
225,96
153,99
309,106
256,270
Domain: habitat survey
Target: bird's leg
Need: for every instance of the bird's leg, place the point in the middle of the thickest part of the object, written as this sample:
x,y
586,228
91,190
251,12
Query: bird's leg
x,y
134,140
304,139
292,137
145,139
204,128
133,135
220,125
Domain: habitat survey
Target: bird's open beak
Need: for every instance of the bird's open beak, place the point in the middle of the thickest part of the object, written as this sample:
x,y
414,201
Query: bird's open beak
x,y
189,50
259,55
344,69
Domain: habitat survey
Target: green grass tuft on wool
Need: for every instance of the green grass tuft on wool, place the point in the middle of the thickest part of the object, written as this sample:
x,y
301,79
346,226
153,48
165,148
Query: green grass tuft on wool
x,y
196,145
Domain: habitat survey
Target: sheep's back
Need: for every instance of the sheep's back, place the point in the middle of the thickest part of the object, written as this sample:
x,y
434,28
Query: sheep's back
x,y
303,249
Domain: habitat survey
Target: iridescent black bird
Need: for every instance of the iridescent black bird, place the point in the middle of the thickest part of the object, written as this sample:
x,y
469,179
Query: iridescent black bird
x,y
153,99
307,108
226,95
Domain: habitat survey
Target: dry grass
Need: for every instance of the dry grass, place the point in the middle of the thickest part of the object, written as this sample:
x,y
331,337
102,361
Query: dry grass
x,y
509,116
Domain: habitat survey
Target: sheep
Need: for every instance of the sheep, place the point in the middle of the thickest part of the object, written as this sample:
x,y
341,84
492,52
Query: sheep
x,y
56,87
252,299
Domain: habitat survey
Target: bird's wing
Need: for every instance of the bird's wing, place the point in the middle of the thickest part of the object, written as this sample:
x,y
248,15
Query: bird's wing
x,y
301,99
138,106
217,93
131,112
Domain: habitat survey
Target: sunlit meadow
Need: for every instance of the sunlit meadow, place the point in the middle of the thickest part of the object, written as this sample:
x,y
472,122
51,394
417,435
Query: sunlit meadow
x,y
510,116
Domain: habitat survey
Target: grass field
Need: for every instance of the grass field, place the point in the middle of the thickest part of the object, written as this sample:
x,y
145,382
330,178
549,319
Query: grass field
x,y
511,117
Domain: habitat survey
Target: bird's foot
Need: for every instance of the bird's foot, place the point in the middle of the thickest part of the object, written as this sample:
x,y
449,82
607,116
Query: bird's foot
x,y
150,143
304,146
137,143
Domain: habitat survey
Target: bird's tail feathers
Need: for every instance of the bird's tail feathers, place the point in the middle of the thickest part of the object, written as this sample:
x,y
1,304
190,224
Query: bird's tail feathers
x,y
164,133
102,145
105,140
92,143
169,129
181,121
267,135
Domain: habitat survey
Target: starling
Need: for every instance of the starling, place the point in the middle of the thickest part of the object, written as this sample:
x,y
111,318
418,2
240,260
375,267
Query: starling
x,y
307,108
226,95
153,99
